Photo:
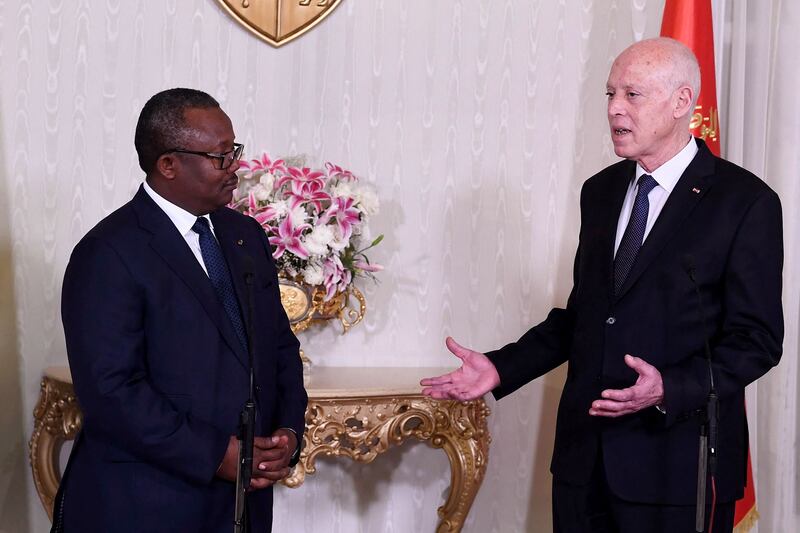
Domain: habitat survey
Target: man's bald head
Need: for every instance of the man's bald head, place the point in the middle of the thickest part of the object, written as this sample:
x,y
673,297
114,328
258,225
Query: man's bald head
x,y
671,61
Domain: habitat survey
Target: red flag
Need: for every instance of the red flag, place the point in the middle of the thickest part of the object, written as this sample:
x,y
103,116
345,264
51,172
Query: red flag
x,y
690,22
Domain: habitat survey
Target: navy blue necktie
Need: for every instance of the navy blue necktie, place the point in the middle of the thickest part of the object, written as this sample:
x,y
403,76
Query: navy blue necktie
x,y
634,232
219,275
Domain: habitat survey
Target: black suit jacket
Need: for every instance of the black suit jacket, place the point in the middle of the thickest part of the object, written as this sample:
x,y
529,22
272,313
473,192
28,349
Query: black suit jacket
x,y
723,223
161,376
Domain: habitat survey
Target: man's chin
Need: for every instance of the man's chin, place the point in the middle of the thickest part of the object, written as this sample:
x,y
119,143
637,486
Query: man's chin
x,y
623,151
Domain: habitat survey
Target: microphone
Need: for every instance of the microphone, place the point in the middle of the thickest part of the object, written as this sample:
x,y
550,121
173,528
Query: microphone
x,y
247,416
707,460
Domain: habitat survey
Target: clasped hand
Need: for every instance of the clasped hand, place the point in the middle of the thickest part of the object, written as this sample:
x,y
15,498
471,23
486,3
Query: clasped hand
x,y
271,456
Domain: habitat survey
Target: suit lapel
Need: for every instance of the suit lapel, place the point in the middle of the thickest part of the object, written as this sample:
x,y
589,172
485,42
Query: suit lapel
x,y
171,246
689,190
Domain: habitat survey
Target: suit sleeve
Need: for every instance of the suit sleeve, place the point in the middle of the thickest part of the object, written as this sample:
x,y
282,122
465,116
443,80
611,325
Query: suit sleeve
x,y
103,311
292,397
749,336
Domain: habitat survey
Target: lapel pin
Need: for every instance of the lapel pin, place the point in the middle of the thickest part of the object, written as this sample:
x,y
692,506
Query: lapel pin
x,y
695,190
241,242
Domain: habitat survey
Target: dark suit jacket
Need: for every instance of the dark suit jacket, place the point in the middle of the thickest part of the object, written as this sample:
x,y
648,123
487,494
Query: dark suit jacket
x,y
723,223
161,376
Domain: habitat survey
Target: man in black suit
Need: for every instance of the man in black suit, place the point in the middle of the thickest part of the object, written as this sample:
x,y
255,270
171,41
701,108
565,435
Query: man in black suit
x,y
677,248
153,308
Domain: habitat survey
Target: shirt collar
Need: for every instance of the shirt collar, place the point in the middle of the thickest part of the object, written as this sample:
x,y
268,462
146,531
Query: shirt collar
x,y
668,174
179,216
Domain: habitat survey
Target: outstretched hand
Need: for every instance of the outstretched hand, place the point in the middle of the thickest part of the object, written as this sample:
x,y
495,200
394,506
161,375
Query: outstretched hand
x,y
476,377
646,392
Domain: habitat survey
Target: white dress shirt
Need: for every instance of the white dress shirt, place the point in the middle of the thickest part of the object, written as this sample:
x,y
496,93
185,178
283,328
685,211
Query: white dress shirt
x,y
183,220
666,176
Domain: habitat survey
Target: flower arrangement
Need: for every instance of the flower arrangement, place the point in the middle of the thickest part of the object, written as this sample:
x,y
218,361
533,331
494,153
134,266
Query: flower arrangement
x,y
316,220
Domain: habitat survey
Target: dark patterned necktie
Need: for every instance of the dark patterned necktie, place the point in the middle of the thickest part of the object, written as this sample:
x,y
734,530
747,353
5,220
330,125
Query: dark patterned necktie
x,y
634,232
219,275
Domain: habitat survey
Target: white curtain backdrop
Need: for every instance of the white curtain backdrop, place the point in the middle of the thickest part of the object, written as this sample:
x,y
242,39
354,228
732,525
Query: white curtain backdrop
x,y
477,120
761,110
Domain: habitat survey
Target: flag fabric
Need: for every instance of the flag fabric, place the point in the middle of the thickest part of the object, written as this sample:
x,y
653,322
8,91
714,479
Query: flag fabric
x,y
690,22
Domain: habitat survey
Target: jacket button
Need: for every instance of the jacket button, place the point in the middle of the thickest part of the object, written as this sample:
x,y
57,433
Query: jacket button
x,y
610,320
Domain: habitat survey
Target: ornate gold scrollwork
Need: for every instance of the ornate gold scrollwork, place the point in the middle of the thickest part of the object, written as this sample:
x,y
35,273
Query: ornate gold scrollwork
x,y
358,427
57,418
363,428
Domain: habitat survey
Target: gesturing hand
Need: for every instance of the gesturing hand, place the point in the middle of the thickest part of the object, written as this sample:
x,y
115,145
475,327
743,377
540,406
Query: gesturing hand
x,y
476,377
646,392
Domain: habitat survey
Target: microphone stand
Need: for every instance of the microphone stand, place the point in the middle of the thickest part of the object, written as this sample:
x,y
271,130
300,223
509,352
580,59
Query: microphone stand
x,y
247,423
707,457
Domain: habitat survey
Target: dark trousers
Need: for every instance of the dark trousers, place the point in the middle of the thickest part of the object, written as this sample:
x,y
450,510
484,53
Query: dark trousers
x,y
593,508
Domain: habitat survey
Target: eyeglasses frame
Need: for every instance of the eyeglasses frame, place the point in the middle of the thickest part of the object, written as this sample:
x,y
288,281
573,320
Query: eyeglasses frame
x,y
238,150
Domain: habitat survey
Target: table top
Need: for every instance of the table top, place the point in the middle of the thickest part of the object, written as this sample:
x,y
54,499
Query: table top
x,y
340,382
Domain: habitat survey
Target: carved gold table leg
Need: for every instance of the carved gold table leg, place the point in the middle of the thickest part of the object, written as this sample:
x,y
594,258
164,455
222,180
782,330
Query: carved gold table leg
x,y
462,433
57,418
363,428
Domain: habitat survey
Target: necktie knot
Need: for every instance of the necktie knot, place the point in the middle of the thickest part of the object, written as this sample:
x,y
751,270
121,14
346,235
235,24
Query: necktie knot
x,y
646,184
201,226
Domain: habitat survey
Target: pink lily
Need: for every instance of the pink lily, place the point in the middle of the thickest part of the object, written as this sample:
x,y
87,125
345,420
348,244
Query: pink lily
x,y
261,214
288,239
265,164
342,210
335,171
336,277
305,177
312,192
366,267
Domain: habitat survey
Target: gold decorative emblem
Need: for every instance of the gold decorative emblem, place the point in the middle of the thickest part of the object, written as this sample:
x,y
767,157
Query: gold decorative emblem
x,y
705,127
279,21
305,305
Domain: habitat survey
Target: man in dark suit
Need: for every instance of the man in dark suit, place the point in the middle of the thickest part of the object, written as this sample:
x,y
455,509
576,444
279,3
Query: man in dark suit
x,y
677,248
153,305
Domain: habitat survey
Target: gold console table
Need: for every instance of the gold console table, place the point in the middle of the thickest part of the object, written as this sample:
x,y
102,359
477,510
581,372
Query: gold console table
x,y
356,413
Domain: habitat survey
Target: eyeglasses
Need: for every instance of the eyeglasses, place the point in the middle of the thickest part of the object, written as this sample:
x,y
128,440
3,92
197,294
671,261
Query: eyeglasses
x,y
221,161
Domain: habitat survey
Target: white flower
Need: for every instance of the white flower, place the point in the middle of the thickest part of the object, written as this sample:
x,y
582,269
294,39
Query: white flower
x,y
281,208
367,200
342,188
298,215
260,192
338,244
322,234
267,180
312,274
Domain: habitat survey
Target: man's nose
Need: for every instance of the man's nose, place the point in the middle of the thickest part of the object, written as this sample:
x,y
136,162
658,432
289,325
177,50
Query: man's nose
x,y
615,106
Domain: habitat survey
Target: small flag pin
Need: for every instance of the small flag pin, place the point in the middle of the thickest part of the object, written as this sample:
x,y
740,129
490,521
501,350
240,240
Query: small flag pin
x,y
695,190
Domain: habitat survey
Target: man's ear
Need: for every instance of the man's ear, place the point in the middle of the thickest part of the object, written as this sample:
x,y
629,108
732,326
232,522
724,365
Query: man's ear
x,y
683,97
167,165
